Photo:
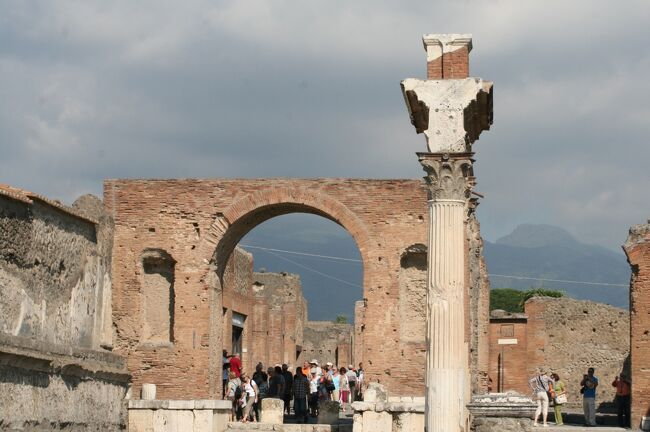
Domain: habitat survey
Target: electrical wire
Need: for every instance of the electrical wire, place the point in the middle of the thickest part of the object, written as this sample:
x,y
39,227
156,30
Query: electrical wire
x,y
271,251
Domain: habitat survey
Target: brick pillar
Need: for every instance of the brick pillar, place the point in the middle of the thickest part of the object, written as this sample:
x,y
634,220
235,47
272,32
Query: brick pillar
x,y
447,55
637,249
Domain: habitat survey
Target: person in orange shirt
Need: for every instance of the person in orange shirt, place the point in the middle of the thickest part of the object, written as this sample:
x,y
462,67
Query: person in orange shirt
x,y
622,385
306,369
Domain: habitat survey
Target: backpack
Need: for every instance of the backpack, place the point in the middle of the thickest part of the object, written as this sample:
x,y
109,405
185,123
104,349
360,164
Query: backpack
x,y
238,393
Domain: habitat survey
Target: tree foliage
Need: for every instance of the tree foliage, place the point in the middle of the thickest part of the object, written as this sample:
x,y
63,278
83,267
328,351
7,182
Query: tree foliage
x,y
341,319
512,300
507,299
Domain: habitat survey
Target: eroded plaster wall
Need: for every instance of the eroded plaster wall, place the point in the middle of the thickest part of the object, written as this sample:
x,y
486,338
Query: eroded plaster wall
x,y
54,277
55,316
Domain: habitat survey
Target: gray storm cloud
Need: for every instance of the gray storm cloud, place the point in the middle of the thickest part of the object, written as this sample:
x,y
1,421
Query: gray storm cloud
x,y
94,90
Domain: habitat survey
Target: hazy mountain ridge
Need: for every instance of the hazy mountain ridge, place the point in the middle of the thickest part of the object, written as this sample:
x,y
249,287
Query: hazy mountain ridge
x,y
549,252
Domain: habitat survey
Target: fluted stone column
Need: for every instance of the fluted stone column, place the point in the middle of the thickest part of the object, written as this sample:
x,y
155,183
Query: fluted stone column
x,y
451,110
449,179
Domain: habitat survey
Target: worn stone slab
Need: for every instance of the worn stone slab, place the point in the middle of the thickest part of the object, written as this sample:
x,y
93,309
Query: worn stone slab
x,y
408,422
141,421
377,421
202,420
272,411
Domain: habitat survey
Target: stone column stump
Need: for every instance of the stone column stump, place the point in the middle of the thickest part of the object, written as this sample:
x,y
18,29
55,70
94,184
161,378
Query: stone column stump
x,y
272,411
328,412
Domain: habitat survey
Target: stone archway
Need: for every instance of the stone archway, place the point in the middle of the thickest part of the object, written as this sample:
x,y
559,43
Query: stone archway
x,y
242,216
198,223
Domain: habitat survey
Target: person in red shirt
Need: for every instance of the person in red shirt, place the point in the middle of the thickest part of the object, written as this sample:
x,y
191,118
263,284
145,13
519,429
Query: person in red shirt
x,y
622,385
235,365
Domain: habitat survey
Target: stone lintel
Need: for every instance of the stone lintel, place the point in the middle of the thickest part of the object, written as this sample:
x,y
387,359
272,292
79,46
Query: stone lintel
x,y
438,44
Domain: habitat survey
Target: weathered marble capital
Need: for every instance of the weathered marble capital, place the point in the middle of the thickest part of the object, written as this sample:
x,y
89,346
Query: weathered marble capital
x,y
451,113
450,176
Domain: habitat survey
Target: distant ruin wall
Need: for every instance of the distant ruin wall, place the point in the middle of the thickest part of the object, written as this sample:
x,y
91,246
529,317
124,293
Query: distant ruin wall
x,y
637,248
565,336
55,316
326,341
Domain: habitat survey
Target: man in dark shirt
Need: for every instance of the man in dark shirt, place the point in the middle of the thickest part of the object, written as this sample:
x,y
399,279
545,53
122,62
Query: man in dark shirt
x,y
300,390
288,386
276,383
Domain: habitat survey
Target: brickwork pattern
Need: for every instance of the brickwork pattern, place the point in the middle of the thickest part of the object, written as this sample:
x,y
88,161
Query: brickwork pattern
x,y
452,65
199,222
637,249
511,357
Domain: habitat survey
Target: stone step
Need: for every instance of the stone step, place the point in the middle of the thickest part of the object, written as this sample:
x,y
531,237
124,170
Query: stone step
x,y
268,427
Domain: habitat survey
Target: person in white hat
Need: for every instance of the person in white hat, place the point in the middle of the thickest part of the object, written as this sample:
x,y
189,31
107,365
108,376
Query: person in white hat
x,y
314,365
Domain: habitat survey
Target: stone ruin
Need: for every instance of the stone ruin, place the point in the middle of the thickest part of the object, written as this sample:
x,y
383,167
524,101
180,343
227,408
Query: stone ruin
x,y
98,299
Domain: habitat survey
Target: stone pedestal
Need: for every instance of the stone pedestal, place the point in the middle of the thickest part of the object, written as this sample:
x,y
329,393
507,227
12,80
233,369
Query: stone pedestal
x,y
148,392
272,411
328,412
501,412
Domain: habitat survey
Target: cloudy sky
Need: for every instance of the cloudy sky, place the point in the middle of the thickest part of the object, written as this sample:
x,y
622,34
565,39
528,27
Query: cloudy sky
x,y
95,89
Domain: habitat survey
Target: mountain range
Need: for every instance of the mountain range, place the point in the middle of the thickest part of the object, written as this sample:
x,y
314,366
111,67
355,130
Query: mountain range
x,y
551,253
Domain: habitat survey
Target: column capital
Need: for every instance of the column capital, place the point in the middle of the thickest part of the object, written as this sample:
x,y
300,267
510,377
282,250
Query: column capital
x,y
450,176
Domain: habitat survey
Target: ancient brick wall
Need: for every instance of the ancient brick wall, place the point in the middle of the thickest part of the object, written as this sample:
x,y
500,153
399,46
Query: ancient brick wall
x,y
566,336
508,360
359,327
451,65
199,222
637,248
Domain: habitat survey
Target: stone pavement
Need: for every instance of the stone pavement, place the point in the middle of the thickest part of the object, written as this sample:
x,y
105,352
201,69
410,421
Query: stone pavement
x,y
574,428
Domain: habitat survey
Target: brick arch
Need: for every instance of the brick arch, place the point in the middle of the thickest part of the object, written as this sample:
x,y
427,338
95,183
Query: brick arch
x,y
246,213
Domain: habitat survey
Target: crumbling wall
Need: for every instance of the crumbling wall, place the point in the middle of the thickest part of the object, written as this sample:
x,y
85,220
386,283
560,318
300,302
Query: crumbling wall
x,y
479,308
568,336
54,282
55,316
413,294
326,341
637,248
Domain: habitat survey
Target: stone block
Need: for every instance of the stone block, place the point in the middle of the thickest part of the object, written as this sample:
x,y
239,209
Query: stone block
x,y
328,412
375,393
408,422
502,424
357,423
272,411
141,421
377,422
173,420
202,420
220,419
